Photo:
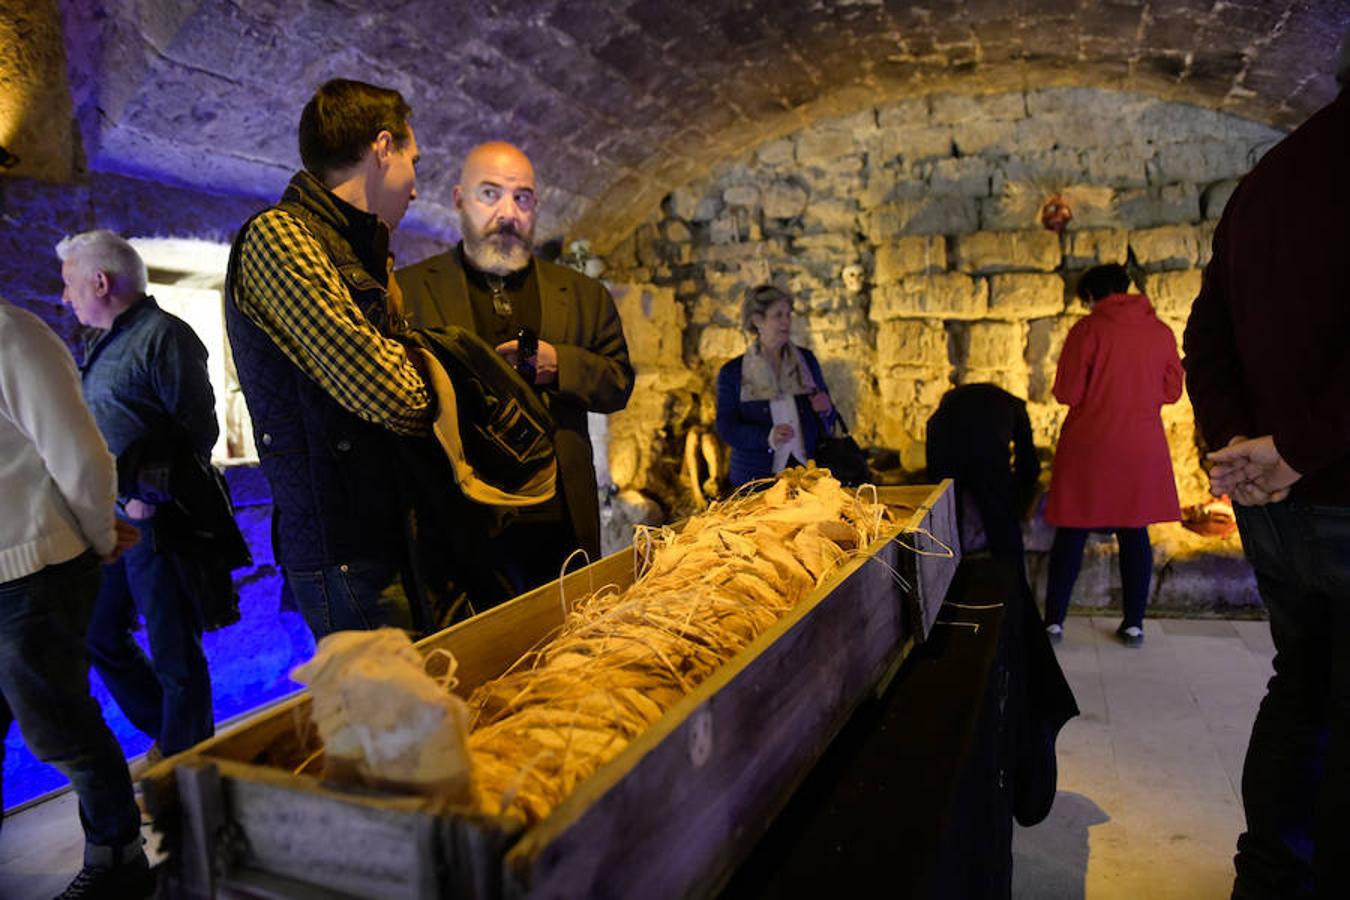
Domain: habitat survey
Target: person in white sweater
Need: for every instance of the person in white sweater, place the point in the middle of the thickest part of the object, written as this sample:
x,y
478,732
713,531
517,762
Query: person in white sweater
x,y
59,484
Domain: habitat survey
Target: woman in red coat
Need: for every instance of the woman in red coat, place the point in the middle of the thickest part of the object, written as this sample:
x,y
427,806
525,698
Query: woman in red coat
x,y
1112,469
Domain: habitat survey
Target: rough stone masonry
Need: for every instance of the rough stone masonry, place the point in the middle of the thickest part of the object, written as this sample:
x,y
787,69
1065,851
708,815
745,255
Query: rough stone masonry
x,y
935,202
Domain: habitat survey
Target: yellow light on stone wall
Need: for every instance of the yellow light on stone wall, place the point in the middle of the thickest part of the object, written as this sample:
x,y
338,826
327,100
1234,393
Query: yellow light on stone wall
x,y
36,113
14,89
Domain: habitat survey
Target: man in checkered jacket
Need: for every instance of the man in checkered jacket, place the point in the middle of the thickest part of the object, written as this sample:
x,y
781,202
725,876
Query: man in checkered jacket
x,y
308,313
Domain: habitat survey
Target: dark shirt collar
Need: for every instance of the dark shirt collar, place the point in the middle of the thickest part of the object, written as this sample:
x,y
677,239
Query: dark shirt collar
x,y
140,307
364,231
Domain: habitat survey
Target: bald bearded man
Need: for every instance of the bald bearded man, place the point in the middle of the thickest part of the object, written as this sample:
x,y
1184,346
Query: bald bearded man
x,y
494,285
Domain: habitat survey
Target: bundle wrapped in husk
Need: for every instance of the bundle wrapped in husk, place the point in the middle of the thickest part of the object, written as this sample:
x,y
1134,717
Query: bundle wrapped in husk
x,y
622,658
385,722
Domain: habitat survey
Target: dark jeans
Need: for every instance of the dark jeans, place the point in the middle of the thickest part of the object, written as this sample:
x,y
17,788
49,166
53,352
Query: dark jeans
x,y
530,554
1296,778
44,684
355,596
167,696
1066,558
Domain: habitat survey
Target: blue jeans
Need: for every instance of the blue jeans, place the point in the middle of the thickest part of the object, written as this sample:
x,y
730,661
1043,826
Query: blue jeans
x,y
1296,777
44,684
167,696
355,596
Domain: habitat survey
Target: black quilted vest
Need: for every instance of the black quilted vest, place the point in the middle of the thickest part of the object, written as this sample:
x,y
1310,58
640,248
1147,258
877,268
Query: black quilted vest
x,y
333,490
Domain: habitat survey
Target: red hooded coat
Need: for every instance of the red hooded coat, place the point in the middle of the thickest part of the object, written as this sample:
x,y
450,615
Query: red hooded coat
x,y
1112,468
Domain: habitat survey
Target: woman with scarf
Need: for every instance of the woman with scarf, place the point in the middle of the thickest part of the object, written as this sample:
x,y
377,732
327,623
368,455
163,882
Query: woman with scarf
x,y
772,403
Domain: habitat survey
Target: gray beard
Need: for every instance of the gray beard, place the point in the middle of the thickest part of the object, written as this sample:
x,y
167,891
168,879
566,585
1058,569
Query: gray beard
x,y
488,257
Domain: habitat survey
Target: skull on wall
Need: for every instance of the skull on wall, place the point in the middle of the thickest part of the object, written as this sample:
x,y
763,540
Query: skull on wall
x,y
853,278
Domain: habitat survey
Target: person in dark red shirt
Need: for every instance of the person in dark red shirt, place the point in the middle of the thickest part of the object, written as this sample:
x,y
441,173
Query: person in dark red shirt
x,y
1269,375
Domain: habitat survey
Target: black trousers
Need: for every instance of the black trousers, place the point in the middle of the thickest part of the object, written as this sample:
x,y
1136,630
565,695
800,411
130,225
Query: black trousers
x,y
1066,558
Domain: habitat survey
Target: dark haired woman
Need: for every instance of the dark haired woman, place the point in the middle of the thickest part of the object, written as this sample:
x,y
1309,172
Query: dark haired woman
x,y
771,398
1112,468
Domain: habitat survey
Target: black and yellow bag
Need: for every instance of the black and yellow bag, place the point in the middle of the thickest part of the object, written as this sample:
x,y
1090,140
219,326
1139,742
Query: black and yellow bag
x,y
494,428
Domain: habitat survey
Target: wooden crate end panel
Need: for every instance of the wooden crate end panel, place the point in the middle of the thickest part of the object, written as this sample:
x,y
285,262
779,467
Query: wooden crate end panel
x,y
940,554
354,848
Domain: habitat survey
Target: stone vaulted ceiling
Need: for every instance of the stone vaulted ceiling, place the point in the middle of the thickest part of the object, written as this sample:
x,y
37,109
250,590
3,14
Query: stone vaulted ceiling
x,y
623,100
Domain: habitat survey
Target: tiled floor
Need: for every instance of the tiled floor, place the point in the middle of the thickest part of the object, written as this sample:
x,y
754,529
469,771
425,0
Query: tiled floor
x,y
1149,802
1149,773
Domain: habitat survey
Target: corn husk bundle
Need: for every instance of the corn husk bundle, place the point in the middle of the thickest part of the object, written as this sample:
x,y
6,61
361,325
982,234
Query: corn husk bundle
x,y
383,720
622,658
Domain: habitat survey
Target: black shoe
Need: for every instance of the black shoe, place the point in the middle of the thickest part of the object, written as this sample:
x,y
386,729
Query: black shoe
x,y
129,881
1132,636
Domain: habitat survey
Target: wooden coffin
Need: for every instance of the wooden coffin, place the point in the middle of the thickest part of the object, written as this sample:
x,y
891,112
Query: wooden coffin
x,y
671,815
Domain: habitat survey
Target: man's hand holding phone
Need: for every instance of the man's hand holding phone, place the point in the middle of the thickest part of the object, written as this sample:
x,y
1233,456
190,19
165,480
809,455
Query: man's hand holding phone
x,y
535,360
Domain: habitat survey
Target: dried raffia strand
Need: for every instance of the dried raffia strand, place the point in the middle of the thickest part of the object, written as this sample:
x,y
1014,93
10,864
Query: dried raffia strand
x,y
621,659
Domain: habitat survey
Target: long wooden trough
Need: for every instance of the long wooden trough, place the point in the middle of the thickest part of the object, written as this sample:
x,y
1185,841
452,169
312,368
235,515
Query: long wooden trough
x,y
671,815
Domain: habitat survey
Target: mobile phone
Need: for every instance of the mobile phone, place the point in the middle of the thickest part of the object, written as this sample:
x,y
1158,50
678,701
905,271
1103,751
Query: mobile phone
x,y
527,350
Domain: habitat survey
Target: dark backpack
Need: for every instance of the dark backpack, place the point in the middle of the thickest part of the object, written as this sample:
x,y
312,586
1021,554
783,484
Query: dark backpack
x,y
494,428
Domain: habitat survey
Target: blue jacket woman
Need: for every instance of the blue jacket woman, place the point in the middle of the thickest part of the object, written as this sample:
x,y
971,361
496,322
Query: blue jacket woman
x,y
770,400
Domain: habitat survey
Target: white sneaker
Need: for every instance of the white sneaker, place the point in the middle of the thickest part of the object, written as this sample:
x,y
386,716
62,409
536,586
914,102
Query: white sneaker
x,y
1055,633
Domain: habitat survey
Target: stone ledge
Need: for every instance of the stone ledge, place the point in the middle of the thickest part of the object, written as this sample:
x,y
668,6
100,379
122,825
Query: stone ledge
x,y
1192,574
1017,295
945,296
904,256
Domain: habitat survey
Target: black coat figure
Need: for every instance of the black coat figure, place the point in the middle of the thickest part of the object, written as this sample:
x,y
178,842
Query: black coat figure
x,y
980,437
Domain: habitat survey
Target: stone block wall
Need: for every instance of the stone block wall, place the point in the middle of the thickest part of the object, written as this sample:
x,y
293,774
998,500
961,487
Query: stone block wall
x,y
37,214
911,237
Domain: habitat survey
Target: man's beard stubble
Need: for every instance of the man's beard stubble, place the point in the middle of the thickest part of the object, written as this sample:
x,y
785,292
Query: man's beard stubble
x,y
490,253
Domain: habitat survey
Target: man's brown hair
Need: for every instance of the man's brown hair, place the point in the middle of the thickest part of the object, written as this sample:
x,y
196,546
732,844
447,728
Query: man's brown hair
x,y
342,119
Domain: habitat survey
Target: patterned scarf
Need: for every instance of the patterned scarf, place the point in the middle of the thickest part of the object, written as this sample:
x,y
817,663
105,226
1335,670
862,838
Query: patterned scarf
x,y
760,382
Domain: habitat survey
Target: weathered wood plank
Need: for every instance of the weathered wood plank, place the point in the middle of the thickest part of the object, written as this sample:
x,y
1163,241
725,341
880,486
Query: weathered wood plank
x,y
489,643
199,791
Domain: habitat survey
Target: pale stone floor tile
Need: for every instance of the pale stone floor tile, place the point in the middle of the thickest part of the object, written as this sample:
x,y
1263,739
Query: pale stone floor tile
x,y
1148,804
1256,635
41,849
1220,628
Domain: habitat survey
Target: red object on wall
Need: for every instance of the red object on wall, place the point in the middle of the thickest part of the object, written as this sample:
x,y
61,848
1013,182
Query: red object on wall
x,y
1056,214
